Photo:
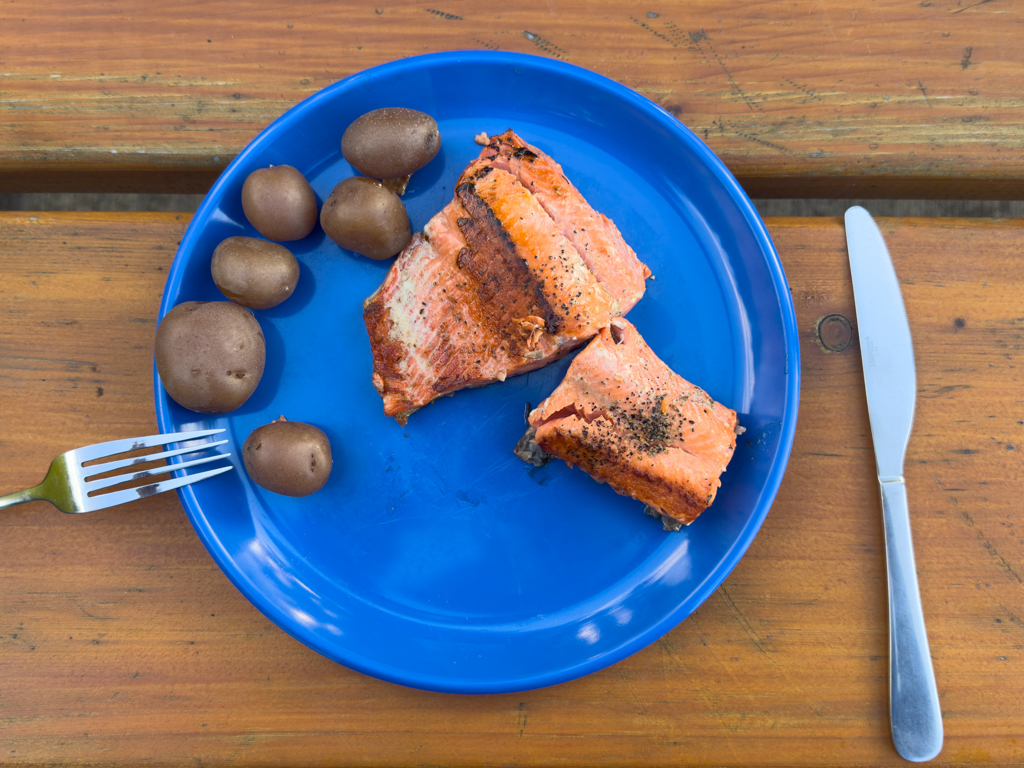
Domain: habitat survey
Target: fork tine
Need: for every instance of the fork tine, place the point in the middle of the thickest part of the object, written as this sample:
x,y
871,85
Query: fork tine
x,y
98,451
106,482
99,469
105,500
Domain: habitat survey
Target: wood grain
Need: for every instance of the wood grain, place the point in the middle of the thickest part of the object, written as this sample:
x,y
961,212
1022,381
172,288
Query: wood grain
x,y
121,642
800,98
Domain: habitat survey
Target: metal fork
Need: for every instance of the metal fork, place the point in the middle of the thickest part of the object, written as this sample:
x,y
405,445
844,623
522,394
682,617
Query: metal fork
x,y
68,484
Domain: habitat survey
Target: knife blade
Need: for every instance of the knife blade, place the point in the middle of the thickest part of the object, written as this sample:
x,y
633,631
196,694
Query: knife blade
x,y
890,382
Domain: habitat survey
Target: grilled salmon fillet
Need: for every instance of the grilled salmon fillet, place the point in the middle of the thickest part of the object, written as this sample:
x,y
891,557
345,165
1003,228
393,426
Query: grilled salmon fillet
x,y
515,272
626,419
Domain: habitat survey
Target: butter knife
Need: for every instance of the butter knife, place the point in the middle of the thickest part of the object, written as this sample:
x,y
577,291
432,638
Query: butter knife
x,y
891,384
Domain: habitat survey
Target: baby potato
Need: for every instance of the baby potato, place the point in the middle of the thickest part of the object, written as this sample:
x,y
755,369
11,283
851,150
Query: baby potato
x,y
365,217
255,273
391,143
210,355
279,202
288,457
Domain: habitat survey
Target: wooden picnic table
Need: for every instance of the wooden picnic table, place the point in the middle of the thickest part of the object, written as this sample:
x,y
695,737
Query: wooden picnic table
x,y
122,643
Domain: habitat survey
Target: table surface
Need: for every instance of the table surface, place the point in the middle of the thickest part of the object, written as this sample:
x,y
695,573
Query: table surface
x,y
122,643
847,98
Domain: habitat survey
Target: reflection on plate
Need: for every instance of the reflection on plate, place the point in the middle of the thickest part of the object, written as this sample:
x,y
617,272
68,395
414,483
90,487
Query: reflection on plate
x,y
434,557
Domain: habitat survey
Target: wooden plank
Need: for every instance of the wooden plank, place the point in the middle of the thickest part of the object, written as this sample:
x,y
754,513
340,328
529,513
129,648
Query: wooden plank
x,y
802,98
121,642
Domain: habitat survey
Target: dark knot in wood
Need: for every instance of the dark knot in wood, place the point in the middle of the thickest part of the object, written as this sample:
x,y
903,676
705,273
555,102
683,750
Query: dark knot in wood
x,y
835,332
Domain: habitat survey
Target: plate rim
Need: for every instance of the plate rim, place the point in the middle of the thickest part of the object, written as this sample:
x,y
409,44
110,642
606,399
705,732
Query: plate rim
x,y
768,492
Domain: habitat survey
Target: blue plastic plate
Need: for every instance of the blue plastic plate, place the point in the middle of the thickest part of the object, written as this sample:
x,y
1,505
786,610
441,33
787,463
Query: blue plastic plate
x,y
434,557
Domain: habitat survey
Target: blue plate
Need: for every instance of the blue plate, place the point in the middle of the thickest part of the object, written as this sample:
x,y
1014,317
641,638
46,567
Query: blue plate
x,y
433,557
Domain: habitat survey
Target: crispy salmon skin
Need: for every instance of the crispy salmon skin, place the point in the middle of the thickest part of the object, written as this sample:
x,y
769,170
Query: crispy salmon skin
x,y
515,272
626,419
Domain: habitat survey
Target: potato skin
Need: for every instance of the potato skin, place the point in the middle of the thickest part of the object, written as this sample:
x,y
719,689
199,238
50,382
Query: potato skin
x,y
257,274
390,143
364,216
288,457
279,203
210,355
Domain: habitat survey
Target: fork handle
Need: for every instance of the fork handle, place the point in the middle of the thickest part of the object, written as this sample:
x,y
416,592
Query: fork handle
x,y
20,497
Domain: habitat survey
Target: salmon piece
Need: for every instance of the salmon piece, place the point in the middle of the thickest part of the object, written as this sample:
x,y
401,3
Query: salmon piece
x,y
497,284
626,419
595,237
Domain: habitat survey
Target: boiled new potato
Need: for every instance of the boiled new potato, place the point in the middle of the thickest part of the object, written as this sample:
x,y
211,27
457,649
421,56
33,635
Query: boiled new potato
x,y
210,355
288,457
391,143
366,217
279,202
254,273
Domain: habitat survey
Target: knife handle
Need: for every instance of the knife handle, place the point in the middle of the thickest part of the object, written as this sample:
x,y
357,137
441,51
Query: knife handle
x,y
913,698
